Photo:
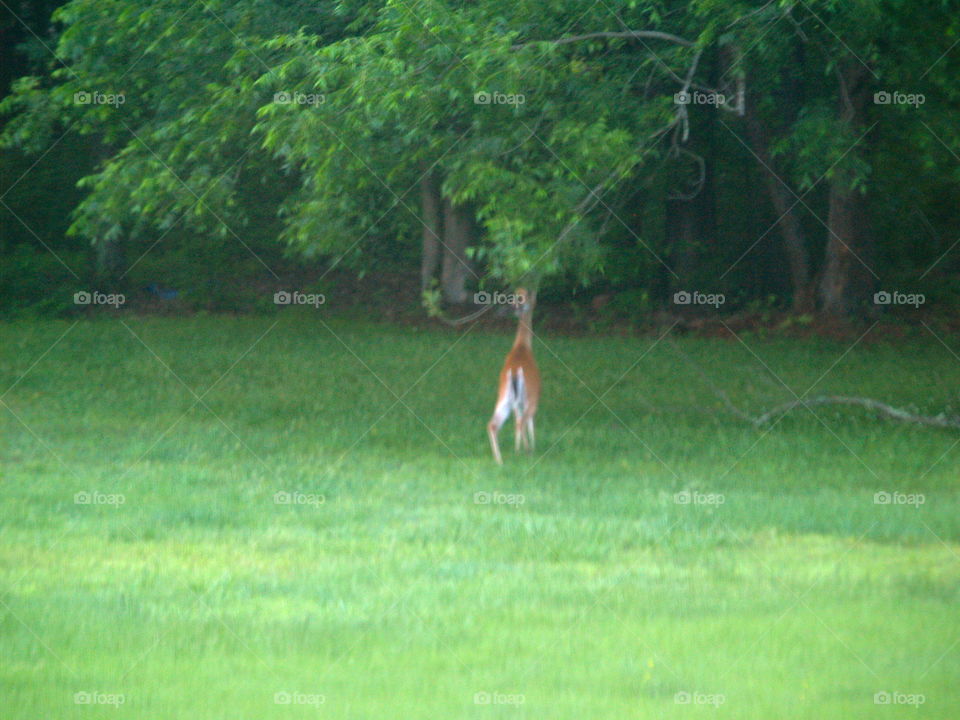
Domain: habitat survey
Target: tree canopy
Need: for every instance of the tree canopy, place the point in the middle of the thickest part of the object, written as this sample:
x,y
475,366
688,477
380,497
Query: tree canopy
x,y
545,123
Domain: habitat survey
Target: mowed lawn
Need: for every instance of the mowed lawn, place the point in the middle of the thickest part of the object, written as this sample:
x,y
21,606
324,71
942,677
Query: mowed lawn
x,y
298,517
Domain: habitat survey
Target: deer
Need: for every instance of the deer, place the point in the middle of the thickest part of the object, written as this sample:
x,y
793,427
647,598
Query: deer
x,y
519,388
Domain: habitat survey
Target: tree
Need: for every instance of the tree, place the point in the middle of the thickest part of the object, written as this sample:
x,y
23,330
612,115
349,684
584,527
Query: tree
x,y
836,56
169,93
352,99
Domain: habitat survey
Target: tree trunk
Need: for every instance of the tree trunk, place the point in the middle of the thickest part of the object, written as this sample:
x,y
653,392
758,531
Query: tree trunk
x,y
430,204
836,297
682,233
843,287
793,240
846,281
457,232
111,261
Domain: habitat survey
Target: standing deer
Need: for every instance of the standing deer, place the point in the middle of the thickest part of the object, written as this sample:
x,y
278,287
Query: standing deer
x,y
519,390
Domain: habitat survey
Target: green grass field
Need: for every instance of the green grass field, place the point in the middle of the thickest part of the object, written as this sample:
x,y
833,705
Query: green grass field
x,y
220,518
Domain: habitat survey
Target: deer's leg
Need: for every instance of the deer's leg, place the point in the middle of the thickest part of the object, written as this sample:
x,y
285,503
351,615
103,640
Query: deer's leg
x,y
531,442
492,429
500,414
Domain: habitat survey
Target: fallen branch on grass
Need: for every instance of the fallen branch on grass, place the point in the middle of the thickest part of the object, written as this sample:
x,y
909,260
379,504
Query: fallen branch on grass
x,y
942,420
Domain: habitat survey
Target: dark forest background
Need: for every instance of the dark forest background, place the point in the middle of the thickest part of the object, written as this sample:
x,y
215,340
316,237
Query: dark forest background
x,y
341,148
